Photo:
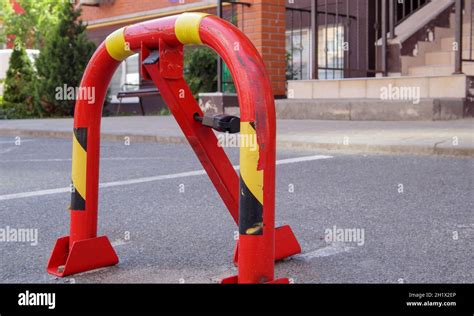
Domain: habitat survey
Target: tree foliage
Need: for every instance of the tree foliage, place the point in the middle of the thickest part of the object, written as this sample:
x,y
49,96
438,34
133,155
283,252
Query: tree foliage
x,y
32,26
17,97
200,69
62,61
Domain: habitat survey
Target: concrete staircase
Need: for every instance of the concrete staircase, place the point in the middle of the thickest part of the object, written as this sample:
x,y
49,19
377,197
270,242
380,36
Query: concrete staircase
x,y
436,57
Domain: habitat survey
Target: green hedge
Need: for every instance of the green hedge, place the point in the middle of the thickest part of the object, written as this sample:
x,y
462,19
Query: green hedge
x,y
200,69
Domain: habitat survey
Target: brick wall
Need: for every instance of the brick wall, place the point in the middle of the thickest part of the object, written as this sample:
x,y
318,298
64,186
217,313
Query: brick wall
x,y
264,24
123,7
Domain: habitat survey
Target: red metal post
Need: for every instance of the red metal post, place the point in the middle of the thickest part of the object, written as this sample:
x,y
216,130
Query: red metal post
x,y
257,167
82,250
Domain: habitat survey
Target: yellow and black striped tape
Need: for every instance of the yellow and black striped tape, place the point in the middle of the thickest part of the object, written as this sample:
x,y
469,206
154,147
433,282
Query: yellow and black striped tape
x,y
79,169
251,183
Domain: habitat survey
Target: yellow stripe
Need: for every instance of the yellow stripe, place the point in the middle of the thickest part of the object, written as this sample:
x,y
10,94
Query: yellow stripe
x,y
249,155
186,27
253,230
79,167
116,46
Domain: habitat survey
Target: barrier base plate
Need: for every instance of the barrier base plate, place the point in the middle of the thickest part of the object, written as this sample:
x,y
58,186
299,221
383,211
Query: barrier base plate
x,y
235,280
286,244
85,255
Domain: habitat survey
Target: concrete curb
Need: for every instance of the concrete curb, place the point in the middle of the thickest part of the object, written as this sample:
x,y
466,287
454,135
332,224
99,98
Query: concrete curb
x,y
350,148
380,149
108,137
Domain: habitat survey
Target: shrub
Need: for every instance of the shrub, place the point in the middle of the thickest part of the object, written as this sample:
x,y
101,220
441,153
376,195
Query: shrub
x,y
17,97
200,69
62,61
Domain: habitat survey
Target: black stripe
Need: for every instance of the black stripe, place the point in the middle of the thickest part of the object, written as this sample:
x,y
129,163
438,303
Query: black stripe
x,y
81,136
253,125
250,211
77,201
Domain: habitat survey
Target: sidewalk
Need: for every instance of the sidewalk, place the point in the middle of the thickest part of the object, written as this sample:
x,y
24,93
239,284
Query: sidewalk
x,y
404,137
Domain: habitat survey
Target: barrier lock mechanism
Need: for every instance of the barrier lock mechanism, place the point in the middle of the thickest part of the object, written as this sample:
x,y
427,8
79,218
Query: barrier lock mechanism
x,y
220,122
152,58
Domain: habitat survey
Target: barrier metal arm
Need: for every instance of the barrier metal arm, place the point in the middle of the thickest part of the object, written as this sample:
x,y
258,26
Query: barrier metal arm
x,y
250,198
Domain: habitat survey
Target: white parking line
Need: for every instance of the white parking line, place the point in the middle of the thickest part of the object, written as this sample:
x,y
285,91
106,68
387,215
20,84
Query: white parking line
x,y
148,179
119,242
333,249
302,159
33,193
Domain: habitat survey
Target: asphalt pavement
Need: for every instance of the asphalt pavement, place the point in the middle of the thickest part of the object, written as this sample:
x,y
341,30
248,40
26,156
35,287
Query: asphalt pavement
x,y
415,214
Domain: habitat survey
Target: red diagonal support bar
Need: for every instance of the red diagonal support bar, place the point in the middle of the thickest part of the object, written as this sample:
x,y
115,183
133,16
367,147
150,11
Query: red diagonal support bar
x,y
183,106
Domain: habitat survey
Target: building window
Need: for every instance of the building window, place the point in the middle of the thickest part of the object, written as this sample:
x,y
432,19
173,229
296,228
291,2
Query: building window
x,y
126,78
298,48
298,54
331,57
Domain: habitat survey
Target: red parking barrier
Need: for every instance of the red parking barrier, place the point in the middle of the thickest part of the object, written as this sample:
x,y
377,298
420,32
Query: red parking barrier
x,y
250,199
